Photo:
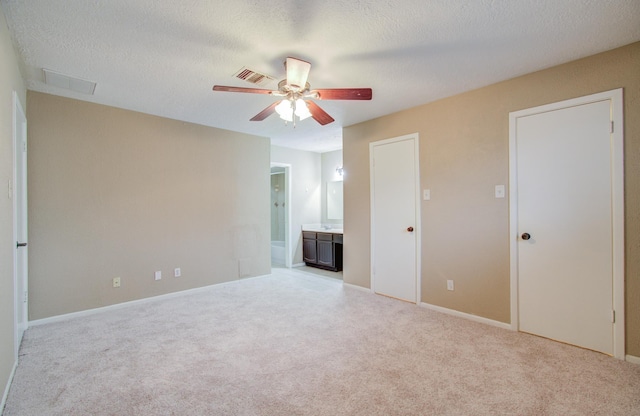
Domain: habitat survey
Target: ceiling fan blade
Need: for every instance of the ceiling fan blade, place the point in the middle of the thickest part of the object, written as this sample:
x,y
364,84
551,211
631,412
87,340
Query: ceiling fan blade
x,y
241,89
297,72
319,114
266,112
343,94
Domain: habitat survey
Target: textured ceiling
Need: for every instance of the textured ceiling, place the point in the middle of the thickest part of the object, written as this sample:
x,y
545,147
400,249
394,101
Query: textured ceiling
x,y
163,57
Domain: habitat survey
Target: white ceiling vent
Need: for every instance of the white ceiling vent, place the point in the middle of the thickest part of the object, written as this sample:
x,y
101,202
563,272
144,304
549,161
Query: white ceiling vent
x,y
59,80
253,77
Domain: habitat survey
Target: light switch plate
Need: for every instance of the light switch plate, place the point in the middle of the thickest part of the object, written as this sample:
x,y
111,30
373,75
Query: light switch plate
x,y
426,194
500,191
158,275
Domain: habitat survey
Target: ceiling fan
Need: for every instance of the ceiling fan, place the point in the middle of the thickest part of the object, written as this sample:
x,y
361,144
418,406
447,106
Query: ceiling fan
x,y
296,91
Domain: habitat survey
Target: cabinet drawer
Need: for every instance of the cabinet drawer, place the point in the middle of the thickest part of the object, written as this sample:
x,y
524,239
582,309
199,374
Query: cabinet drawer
x,y
337,238
308,235
325,237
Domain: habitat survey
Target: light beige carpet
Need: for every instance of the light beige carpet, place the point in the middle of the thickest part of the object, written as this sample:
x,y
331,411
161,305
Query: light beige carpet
x,y
295,344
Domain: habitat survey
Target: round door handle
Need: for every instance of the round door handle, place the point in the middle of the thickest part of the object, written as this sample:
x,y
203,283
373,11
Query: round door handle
x,y
410,229
526,236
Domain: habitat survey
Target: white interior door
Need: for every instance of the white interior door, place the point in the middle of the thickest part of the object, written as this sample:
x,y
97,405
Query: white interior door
x,y
565,224
20,222
394,218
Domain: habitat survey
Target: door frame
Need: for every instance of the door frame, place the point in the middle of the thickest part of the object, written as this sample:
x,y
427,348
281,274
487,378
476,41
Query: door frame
x,y
617,199
20,299
415,137
287,212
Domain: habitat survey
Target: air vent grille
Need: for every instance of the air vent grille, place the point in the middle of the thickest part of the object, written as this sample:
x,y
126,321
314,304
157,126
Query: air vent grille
x,y
253,77
59,80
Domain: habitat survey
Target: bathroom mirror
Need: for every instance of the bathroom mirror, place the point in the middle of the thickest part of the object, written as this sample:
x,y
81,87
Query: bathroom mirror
x,y
334,200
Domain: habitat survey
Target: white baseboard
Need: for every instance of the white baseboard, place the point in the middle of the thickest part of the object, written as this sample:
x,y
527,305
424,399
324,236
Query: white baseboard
x,y
299,265
633,359
468,316
87,312
6,389
360,288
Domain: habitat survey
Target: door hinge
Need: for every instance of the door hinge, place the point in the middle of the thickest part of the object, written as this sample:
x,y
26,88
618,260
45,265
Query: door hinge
x,y
611,127
26,296
613,317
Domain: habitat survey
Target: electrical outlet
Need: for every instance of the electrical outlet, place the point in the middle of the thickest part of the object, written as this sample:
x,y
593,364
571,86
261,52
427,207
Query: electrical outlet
x,y
177,272
158,275
449,284
116,282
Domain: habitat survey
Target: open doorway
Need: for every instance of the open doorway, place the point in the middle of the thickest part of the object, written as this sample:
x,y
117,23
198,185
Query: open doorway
x,y
280,215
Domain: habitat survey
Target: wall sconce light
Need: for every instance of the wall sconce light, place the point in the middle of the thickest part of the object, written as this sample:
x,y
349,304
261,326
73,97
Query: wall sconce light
x,y
340,171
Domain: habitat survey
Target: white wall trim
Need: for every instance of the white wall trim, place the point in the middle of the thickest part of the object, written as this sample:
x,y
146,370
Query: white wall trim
x,y
617,173
89,312
633,359
288,256
465,315
356,287
8,386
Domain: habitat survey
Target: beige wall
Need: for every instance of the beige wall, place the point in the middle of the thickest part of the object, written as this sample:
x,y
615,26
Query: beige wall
x,y
463,155
10,81
118,193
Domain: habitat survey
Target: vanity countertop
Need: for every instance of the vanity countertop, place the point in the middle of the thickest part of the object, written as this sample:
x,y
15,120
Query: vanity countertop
x,y
320,229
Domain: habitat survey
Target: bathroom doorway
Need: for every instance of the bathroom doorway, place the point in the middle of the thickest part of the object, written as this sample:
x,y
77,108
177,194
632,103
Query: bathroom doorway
x,y
280,214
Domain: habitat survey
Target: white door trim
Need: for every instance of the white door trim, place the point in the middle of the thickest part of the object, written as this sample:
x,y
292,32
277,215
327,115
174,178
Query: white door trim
x,y
287,212
617,166
416,149
19,298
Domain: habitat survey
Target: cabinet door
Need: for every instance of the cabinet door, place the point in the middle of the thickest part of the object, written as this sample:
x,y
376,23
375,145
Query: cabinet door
x,y
325,253
309,251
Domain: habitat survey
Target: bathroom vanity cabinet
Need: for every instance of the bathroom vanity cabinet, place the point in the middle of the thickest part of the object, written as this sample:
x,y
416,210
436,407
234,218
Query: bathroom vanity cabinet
x,y
322,250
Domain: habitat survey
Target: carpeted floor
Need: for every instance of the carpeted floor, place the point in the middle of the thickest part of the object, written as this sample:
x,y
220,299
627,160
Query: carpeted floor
x,y
296,344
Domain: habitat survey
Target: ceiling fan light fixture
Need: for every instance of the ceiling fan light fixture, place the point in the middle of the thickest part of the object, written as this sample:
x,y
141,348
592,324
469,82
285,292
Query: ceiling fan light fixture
x,y
302,111
285,110
293,90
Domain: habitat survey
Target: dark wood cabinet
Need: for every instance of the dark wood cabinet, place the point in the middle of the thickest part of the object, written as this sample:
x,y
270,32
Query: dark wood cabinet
x,y
322,250
325,253
309,252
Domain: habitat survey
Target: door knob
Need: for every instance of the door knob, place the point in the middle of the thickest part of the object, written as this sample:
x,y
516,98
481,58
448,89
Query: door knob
x,y
526,236
410,229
